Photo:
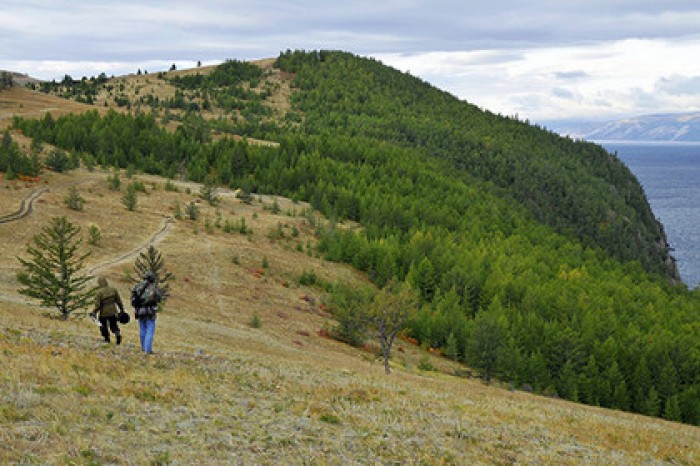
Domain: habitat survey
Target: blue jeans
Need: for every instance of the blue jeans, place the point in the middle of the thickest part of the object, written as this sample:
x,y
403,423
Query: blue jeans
x,y
147,330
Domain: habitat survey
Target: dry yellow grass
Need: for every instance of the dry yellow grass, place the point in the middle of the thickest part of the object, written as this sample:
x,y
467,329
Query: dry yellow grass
x,y
34,104
218,391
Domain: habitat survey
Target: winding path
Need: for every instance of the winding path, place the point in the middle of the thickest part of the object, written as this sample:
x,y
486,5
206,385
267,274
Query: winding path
x,y
25,207
157,236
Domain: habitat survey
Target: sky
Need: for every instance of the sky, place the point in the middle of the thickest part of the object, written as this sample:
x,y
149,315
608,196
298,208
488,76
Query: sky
x,y
537,59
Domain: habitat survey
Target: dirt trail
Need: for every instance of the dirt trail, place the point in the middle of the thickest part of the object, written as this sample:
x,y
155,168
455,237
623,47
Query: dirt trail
x,y
157,237
25,207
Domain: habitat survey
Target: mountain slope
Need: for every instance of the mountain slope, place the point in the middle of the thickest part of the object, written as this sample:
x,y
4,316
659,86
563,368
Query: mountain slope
x,y
218,390
574,187
454,207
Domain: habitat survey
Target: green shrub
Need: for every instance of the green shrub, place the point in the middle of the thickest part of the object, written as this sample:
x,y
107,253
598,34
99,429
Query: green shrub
x,y
255,321
308,278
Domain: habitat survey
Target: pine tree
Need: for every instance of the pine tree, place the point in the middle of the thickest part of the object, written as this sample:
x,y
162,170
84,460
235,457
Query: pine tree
x,y
568,382
58,161
451,347
74,200
621,398
424,278
192,211
641,382
129,199
114,182
667,384
652,403
672,411
152,260
51,275
178,211
590,390
209,192
488,340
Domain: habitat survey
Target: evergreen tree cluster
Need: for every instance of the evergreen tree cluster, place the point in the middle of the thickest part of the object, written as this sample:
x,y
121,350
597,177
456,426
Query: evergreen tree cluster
x,y
228,74
573,186
14,162
81,90
231,87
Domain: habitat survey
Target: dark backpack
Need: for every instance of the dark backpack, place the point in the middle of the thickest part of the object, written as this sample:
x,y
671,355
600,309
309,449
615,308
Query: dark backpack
x,y
145,294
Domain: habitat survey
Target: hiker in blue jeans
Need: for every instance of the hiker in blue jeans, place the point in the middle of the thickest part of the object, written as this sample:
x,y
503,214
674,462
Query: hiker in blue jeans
x,y
145,298
147,330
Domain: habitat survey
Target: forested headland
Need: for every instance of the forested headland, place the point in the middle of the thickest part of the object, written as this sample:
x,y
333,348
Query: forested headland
x,y
537,258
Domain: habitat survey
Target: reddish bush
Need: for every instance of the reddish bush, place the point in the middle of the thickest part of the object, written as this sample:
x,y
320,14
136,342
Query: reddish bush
x,y
410,340
29,179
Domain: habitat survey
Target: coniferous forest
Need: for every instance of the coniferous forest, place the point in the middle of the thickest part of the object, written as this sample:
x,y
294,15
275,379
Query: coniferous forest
x,y
537,258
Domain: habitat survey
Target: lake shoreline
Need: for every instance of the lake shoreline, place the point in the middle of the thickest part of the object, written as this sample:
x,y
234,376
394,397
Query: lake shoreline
x,y
670,176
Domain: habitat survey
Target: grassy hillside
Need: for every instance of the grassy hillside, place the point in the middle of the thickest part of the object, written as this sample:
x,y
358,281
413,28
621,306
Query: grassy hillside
x,y
409,193
218,390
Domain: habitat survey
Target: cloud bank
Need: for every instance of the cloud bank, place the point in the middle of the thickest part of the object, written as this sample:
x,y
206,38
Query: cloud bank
x,y
538,59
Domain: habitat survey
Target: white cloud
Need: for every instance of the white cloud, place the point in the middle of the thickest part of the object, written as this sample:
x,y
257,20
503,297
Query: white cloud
x,y
679,85
540,59
624,77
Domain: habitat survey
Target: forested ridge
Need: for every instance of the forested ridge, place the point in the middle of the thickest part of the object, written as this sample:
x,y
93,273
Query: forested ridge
x,y
574,186
537,258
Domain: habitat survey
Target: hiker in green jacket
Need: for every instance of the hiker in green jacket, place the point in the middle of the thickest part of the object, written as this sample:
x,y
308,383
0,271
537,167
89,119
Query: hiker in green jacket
x,y
107,300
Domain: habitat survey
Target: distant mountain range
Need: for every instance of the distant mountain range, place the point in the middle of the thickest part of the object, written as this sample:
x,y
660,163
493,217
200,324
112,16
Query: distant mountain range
x,y
684,127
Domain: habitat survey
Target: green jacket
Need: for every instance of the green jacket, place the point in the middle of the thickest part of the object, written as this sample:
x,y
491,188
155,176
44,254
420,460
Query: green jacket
x,y
107,299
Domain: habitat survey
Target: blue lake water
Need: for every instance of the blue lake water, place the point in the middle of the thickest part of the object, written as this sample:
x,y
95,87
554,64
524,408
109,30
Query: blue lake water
x,y
670,175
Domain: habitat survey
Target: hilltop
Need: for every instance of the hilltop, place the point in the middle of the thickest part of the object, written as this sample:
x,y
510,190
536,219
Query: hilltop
x,y
374,189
